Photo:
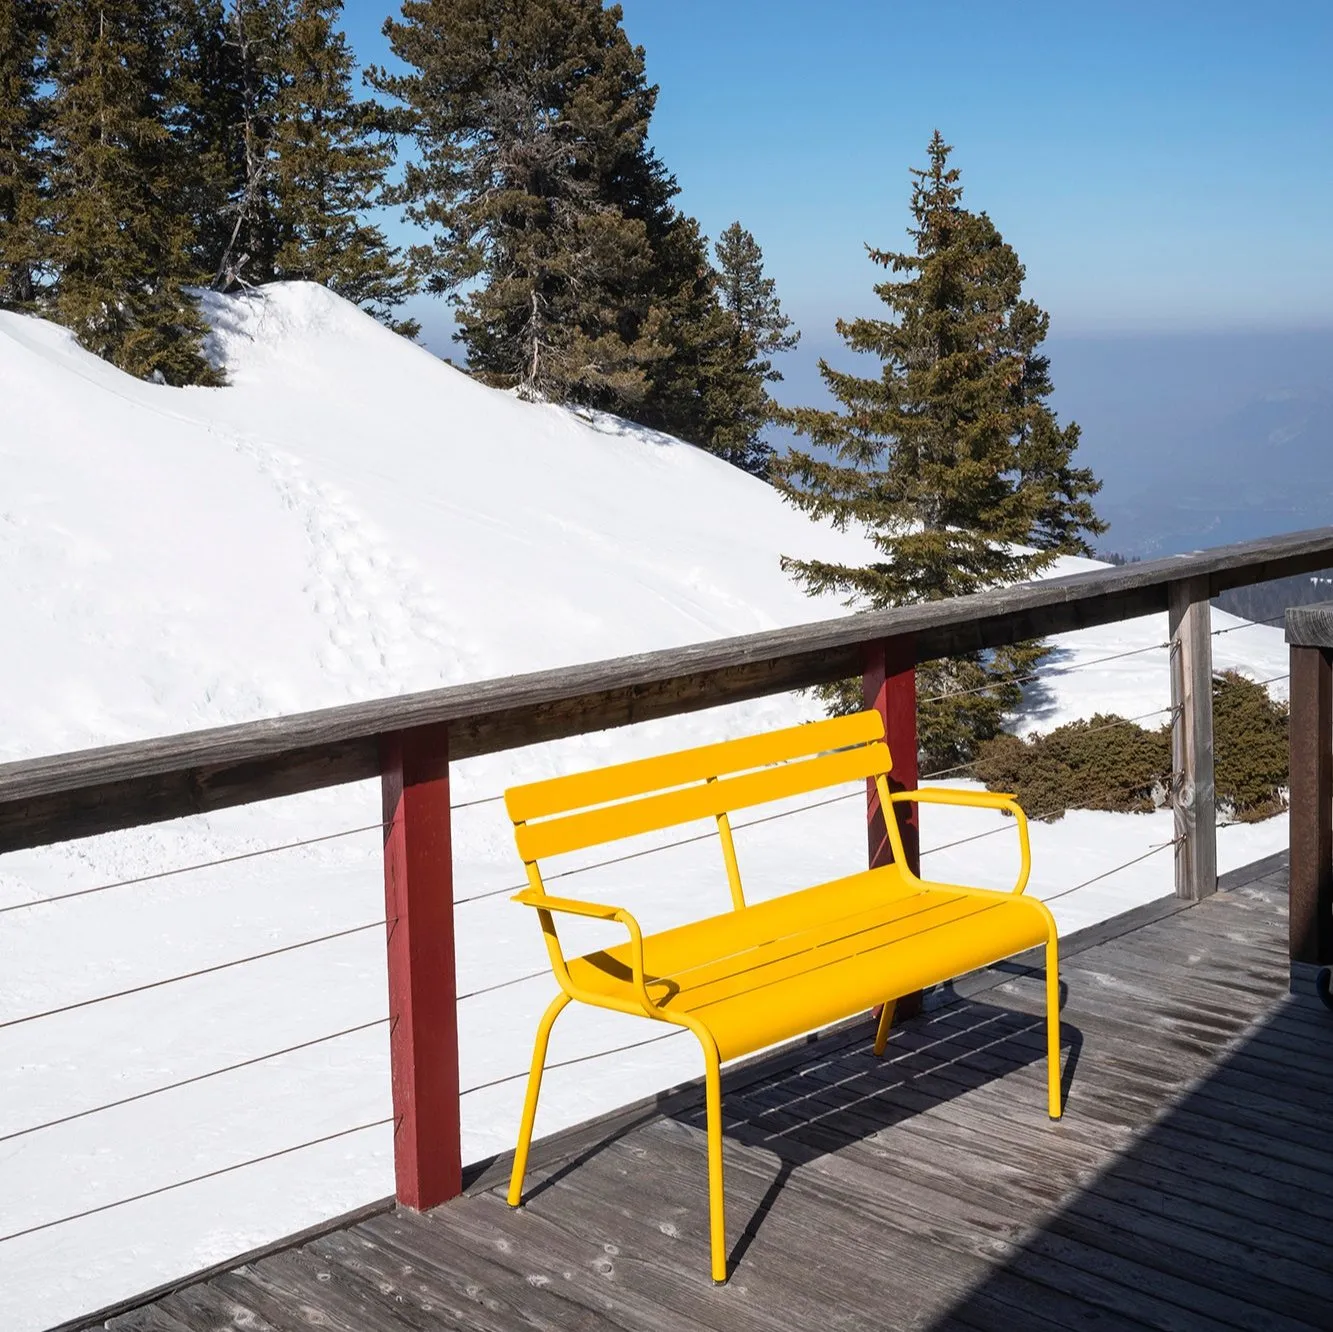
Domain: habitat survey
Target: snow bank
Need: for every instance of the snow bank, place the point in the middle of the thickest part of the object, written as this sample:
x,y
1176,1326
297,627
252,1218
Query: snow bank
x,y
351,518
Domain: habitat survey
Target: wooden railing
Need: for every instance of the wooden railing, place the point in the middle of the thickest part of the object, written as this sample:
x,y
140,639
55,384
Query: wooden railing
x,y
409,741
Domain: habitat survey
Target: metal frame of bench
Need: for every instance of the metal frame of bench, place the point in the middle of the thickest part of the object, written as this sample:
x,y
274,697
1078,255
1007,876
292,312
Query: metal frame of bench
x,y
586,809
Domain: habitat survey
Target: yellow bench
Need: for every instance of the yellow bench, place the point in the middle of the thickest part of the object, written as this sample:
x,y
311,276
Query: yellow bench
x,y
768,972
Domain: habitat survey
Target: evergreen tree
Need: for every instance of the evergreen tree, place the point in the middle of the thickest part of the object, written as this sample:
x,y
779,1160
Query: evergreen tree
x,y
759,330
530,120
202,109
951,458
120,242
308,160
330,154
24,158
242,99
704,388
752,298
574,275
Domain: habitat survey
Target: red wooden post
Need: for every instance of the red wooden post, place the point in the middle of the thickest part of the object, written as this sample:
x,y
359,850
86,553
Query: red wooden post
x,y
889,685
419,908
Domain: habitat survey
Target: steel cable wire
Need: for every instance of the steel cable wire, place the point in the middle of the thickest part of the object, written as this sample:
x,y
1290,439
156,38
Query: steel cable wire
x,y
578,1059
1106,874
1249,624
190,975
194,1179
1045,675
381,826
198,1077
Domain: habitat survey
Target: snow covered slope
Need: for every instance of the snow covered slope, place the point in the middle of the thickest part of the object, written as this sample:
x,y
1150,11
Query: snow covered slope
x,y
353,518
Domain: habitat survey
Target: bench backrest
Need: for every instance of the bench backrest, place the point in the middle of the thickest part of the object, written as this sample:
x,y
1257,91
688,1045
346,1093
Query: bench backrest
x,y
587,809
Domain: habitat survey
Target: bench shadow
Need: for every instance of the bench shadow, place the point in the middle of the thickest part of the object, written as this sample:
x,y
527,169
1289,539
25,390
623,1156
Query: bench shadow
x,y
798,1105
842,1094
1223,1207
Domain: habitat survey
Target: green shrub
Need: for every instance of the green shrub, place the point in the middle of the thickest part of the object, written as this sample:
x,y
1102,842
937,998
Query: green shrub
x,y
1250,752
1109,763
1102,763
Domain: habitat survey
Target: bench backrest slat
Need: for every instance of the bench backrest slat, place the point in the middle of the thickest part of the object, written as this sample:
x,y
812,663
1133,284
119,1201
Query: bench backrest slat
x,y
573,832
621,781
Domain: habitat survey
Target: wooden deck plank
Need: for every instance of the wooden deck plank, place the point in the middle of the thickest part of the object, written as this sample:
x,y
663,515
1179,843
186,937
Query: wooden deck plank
x,y
355,1305
826,1228
203,1308
152,1319
1125,1064
1057,1267
1189,1185
1307,1147
463,1299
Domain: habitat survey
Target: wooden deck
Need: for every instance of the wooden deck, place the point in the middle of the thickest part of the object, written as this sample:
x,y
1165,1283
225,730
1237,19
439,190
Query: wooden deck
x,y
1190,1184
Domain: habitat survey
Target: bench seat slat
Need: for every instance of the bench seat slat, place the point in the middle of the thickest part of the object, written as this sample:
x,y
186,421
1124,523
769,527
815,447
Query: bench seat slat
x,y
782,967
574,832
620,781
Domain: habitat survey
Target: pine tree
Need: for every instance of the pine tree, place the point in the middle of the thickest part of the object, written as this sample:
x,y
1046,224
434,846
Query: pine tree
x,y
309,160
202,108
529,118
24,155
242,100
759,330
120,242
332,152
752,298
951,459
703,388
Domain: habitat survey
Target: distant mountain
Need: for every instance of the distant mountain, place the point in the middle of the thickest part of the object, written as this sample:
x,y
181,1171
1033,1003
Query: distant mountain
x,y
1265,602
1264,468
1202,439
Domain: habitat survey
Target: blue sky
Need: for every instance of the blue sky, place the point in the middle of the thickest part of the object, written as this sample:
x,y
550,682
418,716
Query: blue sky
x,y
1159,167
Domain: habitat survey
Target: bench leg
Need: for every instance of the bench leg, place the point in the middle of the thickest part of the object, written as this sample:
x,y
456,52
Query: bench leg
x,y
885,1022
553,1011
1053,1027
717,1216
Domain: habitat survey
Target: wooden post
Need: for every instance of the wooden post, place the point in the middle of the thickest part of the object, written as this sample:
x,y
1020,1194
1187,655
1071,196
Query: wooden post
x,y
419,908
889,687
1311,826
1194,799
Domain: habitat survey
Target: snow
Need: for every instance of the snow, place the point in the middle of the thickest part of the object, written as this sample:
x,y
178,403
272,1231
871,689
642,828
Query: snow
x,y
352,518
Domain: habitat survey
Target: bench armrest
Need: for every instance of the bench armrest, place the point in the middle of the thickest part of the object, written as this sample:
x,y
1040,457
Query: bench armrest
x,y
940,795
596,911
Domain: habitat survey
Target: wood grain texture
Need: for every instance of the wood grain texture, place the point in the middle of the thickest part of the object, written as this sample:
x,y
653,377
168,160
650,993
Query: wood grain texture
x,y
1189,1185
93,791
1310,626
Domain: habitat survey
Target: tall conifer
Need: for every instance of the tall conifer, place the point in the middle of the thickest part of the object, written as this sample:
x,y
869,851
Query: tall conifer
x,y
574,275
120,241
201,110
528,118
309,160
24,152
243,98
758,331
951,459
752,298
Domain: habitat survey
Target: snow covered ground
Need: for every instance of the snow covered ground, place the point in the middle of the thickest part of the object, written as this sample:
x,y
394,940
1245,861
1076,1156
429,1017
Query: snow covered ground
x,y
353,518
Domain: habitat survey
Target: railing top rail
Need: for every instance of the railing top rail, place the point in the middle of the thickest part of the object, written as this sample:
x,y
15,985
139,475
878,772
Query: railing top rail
x,y
97,790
